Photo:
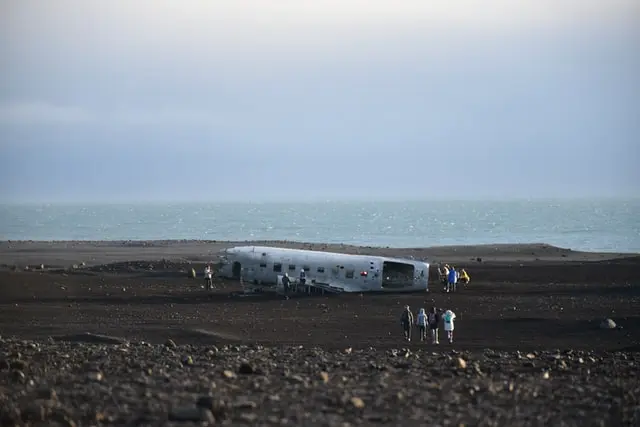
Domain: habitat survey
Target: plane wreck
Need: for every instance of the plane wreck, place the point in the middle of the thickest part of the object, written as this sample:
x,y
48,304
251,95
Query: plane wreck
x,y
261,269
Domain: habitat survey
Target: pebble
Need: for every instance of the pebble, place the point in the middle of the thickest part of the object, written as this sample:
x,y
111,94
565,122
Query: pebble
x,y
149,385
357,402
194,414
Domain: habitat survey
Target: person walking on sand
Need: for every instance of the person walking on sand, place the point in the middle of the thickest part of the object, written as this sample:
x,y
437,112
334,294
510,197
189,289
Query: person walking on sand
x,y
434,322
452,279
406,320
444,276
421,322
286,283
303,278
208,277
464,277
449,317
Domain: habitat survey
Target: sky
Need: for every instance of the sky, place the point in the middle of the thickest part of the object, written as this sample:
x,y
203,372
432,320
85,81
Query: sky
x,y
143,100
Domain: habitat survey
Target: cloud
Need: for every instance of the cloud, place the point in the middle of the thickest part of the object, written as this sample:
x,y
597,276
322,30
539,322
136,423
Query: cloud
x,y
44,113
35,113
259,29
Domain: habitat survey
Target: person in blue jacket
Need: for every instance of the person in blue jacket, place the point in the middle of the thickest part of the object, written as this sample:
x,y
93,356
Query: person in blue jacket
x,y
452,279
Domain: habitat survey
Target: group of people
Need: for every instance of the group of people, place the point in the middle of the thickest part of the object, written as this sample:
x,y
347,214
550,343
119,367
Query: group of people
x,y
450,277
428,321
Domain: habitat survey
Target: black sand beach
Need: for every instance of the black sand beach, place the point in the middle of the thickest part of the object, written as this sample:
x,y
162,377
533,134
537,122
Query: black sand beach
x,y
529,346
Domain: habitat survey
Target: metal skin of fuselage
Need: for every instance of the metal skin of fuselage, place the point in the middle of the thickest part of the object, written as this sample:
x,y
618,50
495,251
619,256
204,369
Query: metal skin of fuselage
x,y
264,266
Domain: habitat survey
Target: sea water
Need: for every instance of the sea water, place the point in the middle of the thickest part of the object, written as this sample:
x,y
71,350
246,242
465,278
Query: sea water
x,y
592,225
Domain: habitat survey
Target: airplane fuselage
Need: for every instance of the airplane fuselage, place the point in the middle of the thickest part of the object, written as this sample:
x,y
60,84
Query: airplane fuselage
x,y
263,265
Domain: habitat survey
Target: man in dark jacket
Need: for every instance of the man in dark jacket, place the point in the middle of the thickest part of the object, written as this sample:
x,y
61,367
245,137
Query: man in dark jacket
x,y
286,284
433,321
406,320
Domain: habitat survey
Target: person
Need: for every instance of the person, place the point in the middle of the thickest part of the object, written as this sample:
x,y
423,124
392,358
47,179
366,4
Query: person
x,y
421,322
303,279
406,320
452,279
444,275
464,277
208,274
434,320
286,283
449,317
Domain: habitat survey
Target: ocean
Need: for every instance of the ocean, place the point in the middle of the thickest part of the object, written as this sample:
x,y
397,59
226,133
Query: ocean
x,y
591,225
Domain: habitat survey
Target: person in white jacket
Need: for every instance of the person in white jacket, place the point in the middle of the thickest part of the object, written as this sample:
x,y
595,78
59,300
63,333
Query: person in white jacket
x,y
208,280
449,318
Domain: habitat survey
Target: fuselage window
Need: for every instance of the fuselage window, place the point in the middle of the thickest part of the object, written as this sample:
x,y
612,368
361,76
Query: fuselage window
x,y
263,264
306,268
320,269
292,267
277,267
349,274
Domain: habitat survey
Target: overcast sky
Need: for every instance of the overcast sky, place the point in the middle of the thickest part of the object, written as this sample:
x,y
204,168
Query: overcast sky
x,y
232,99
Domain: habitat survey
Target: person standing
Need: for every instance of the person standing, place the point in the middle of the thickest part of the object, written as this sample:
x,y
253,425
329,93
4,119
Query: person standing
x,y
421,322
286,283
464,277
434,323
406,321
452,279
208,277
303,278
449,318
444,276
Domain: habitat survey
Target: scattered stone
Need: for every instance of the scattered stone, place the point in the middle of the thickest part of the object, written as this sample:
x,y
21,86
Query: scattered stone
x,y
95,376
461,363
18,376
19,365
170,344
357,402
245,404
228,374
47,394
245,369
608,324
193,414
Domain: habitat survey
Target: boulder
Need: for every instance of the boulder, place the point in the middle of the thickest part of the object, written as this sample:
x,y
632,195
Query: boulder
x,y
607,324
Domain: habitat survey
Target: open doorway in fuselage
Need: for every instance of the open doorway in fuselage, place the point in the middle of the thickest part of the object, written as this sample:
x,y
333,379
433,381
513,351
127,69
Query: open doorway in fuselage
x,y
236,270
397,275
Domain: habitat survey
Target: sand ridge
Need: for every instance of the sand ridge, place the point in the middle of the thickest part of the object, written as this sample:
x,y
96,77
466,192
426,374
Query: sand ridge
x,y
66,253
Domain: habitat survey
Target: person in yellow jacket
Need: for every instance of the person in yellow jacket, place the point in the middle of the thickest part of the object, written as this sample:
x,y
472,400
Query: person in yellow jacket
x,y
464,277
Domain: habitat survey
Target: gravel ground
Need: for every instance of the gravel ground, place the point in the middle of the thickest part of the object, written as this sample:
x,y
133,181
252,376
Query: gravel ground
x,y
82,384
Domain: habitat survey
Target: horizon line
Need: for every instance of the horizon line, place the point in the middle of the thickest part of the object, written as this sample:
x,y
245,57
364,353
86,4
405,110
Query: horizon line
x,y
274,201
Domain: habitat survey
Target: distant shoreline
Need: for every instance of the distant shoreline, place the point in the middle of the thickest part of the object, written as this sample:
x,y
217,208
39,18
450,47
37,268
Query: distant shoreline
x,y
66,252
286,201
